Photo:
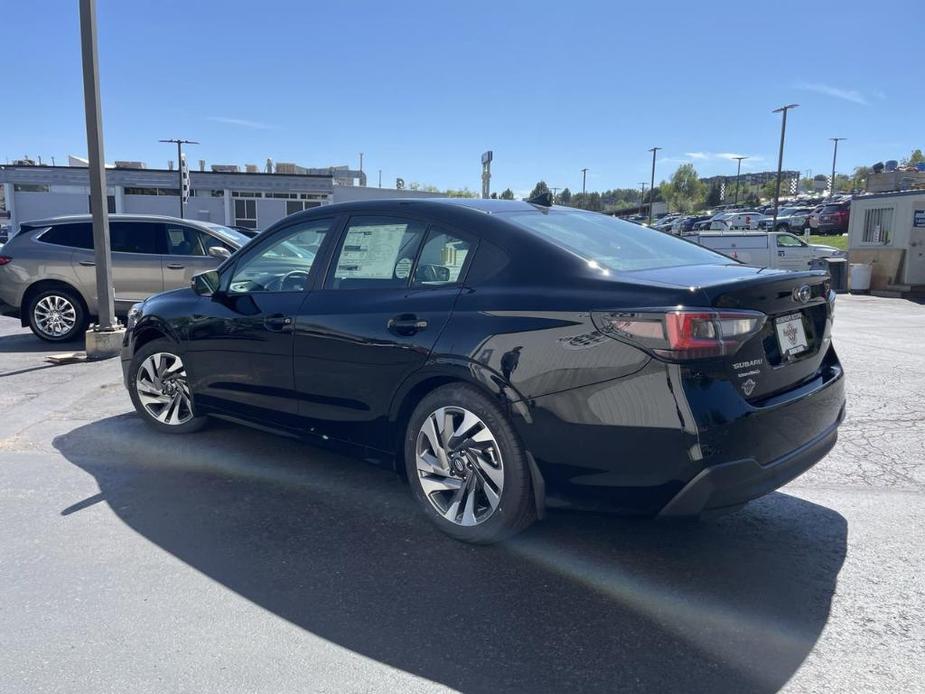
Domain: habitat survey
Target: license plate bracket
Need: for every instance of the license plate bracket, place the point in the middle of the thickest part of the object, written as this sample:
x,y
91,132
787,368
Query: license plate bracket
x,y
791,335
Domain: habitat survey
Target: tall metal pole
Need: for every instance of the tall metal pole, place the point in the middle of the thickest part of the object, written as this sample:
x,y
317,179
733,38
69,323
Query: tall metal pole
x,y
834,155
652,183
361,162
738,172
584,177
780,157
96,167
180,166
380,178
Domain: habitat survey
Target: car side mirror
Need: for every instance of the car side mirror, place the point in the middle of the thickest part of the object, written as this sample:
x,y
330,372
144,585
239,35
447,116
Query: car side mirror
x,y
206,283
219,252
433,273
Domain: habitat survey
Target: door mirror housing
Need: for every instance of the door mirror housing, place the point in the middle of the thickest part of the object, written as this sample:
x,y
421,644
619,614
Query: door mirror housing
x,y
206,283
219,252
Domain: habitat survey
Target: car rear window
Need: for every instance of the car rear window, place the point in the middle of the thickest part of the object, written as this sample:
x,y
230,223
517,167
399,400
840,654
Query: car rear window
x,y
77,235
613,243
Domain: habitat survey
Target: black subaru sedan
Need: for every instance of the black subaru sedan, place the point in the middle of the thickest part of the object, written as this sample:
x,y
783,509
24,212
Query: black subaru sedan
x,y
504,357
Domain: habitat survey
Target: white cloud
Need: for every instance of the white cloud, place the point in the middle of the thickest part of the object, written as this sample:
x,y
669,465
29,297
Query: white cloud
x,y
852,95
726,156
241,122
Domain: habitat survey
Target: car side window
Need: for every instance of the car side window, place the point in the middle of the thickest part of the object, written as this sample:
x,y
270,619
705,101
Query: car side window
x,y
184,240
79,235
442,258
284,264
134,237
377,252
787,241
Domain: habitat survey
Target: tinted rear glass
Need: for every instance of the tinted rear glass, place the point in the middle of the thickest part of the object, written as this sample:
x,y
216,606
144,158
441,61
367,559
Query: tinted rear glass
x,y
134,237
613,243
79,235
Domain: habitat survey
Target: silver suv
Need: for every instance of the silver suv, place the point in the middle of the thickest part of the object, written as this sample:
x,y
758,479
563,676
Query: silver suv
x,y
48,278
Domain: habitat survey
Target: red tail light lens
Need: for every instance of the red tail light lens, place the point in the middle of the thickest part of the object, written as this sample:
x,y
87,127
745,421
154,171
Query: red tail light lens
x,y
683,334
4,259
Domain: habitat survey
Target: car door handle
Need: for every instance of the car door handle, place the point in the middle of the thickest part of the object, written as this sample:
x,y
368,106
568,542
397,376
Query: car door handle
x,y
406,324
88,263
175,266
278,323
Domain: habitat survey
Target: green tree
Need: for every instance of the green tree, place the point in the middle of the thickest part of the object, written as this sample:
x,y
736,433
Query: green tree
x,y
507,194
539,189
462,193
915,158
565,197
859,177
713,199
685,191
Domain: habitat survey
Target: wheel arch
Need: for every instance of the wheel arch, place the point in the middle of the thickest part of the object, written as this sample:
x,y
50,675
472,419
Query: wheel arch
x,y
149,329
44,285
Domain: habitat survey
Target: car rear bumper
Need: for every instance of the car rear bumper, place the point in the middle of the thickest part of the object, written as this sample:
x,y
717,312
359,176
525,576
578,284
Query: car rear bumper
x,y
732,484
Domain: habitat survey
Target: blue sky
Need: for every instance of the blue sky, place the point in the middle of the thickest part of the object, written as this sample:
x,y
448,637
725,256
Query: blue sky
x,y
423,88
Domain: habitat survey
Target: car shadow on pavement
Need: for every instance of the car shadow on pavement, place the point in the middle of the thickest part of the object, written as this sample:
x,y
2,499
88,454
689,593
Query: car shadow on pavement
x,y
578,602
29,343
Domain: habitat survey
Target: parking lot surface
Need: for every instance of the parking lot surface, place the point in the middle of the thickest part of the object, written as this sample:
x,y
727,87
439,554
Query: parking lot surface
x,y
234,560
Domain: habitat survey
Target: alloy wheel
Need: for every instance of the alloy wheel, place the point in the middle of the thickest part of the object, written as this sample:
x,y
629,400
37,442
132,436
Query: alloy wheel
x,y
55,315
459,465
163,389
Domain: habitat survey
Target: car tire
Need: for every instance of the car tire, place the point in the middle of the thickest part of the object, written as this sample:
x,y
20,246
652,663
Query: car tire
x,y
57,315
486,474
159,388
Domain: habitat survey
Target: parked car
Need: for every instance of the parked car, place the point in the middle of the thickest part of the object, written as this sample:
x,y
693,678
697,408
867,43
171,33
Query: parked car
x,y
48,274
687,224
736,220
499,360
775,249
247,231
5,233
793,219
833,218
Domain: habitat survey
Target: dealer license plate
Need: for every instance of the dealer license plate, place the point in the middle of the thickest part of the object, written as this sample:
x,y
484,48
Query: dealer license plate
x,y
790,334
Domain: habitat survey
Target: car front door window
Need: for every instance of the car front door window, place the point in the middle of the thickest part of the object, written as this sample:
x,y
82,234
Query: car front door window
x,y
284,265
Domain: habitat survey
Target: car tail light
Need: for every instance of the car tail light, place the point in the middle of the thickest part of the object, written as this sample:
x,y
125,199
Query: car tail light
x,y
682,334
4,259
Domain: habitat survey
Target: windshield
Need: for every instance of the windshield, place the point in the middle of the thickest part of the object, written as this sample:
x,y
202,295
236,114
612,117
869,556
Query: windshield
x,y
613,243
232,236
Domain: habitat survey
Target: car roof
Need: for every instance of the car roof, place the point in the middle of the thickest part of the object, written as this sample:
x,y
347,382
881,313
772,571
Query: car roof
x,y
119,217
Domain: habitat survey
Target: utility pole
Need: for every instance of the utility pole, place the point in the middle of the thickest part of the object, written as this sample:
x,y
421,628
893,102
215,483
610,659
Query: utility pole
x,y
97,170
652,182
642,195
380,178
780,157
836,140
738,172
584,178
361,162
180,144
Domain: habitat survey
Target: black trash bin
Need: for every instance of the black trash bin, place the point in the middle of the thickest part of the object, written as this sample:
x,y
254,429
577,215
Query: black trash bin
x,y
838,271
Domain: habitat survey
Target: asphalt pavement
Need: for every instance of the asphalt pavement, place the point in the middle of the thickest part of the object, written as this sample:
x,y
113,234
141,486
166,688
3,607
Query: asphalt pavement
x,y
237,561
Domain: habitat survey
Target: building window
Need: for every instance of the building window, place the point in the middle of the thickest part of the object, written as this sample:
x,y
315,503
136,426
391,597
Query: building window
x,y
245,213
878,226
134,190
245,194
110,204
30,188
293,206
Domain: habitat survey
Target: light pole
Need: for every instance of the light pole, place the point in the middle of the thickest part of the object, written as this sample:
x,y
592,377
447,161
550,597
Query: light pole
x,y
738,172
180,144
584,177
780,157
652,182
361,162
380,178
836,140
96,169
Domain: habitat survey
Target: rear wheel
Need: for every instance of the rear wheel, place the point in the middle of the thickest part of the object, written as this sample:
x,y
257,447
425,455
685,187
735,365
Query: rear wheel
x,y
466,466
57,315
159,389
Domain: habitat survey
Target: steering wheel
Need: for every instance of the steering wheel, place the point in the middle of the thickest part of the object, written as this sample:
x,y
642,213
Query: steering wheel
x,y
298,275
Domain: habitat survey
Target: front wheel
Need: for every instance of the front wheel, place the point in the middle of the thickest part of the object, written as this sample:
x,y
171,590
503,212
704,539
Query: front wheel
x,y
159,388
57,315
466,466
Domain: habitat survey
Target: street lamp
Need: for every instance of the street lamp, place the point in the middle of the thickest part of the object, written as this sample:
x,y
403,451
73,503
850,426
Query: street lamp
x,y
738,171
836,140
652,182
780,157
584,177
180,144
